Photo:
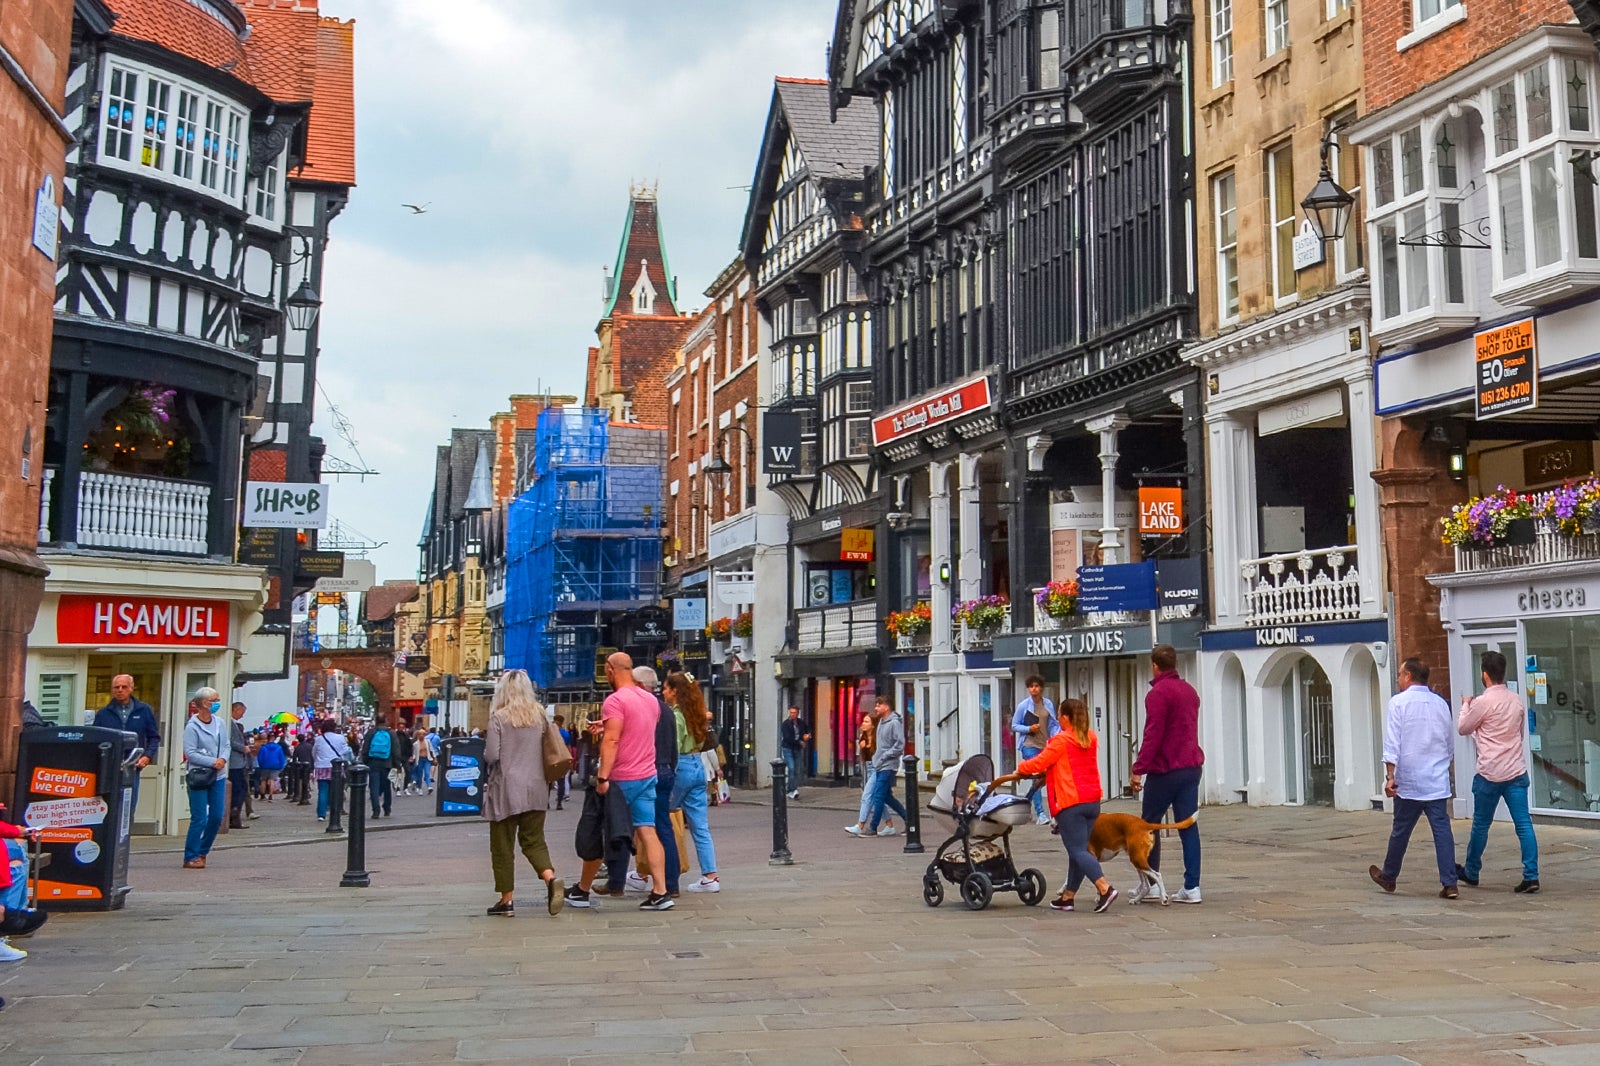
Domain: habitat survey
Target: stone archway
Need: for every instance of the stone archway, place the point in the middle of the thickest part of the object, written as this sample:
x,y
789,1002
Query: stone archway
x,y
375,667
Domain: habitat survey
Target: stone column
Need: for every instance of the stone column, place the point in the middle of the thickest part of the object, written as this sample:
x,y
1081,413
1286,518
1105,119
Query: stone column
x,y
1233,508
1108,426
970,518
939,553
1363,461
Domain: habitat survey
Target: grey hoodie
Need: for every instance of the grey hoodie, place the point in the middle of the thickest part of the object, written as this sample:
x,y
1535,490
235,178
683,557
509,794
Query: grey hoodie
x,y
891,743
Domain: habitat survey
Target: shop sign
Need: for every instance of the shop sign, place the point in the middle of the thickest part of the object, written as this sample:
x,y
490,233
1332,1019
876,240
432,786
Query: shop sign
x,y
416,663
285,506
1160,511
947,406
689,613
781,433
1313,410
1373,632
1178,582
259,547
1073,643
1507,373
320,564
141,620
1121,587
1544,463
856,545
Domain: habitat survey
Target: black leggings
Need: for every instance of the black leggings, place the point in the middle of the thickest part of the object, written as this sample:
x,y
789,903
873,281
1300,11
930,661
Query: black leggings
x,y
1076,823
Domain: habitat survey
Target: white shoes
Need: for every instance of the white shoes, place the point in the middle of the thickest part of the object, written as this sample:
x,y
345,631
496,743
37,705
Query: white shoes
x,y
9,953
1042,820
705,884
1187,895
637,883
855,830
887,830
794,795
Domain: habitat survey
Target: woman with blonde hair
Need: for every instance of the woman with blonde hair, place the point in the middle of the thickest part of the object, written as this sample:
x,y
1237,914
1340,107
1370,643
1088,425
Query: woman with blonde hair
x,y
515,793
689,788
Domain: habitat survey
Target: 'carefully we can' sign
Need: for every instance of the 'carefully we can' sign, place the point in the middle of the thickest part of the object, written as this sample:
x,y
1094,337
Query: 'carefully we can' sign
x,y
285,505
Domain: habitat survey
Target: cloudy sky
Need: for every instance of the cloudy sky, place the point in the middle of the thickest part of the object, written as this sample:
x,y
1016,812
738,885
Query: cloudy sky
x,y
523,123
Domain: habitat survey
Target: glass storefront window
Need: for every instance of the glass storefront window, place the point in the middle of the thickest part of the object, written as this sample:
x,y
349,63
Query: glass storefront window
x,y
57,704
1563,659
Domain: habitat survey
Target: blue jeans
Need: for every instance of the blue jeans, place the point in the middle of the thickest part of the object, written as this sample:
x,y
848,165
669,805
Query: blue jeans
x,y
690,796
15,897
1179,790
1039,813
1075,824
1406,813
324,788
793,761
883,795
205,818
1486,797
869,777
666,777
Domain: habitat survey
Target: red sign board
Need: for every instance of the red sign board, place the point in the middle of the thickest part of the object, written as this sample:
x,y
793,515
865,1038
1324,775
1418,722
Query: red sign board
x,y
957,402
144,621
1160,511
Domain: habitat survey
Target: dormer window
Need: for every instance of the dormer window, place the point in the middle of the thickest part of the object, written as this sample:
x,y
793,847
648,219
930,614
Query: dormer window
x,y
644,293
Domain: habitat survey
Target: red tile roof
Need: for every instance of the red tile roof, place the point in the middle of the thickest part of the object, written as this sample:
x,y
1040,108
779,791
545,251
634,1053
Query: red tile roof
x,y
331,136
182,27
381,600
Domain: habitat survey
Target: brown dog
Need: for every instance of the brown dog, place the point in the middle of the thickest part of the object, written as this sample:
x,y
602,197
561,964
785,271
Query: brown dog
x,y
1115,833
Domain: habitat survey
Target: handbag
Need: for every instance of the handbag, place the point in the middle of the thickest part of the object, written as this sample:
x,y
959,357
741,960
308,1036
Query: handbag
x,y
200,778
680,832
557,759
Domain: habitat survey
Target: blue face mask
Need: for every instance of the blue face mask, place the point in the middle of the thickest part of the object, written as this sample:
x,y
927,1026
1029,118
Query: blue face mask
x,y
216,706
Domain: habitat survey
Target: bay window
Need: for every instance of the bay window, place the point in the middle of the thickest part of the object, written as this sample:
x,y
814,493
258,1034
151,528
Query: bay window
x,y
153,122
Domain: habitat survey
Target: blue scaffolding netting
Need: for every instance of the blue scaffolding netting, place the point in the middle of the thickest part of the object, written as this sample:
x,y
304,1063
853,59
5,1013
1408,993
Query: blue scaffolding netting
x,y
582,541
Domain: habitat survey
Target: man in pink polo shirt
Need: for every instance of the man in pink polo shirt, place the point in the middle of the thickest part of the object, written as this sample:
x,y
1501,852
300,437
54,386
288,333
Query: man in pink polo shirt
x,y
628,763
1497,722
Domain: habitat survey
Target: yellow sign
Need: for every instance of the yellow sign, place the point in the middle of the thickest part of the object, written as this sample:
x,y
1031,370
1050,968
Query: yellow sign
x,y
855,545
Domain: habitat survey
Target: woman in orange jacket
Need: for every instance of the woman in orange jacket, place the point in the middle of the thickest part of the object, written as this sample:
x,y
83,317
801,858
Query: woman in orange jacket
x,y
1070,765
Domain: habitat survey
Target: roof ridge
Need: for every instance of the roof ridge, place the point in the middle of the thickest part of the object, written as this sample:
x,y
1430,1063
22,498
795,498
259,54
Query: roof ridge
x,y
801,81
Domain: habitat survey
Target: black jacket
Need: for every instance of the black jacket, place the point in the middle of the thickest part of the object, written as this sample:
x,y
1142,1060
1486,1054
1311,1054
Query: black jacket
x,y
666,739
605,824
794,731
141,721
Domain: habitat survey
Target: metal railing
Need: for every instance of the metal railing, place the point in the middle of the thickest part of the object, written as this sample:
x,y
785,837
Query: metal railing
x,y
142,513
1316,585
842,625
1550,545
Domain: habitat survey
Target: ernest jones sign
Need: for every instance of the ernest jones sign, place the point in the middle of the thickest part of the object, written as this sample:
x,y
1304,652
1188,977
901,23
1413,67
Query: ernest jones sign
x,y
142,621
925,414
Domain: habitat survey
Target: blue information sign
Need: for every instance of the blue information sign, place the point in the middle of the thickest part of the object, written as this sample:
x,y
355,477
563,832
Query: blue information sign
x,y
1123,587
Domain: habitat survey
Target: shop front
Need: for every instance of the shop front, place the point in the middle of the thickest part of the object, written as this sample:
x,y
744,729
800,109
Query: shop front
x,y
173,627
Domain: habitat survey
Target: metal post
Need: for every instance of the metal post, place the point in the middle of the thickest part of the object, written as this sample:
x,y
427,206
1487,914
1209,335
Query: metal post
x,y
780,816
336,797
913,815
355,874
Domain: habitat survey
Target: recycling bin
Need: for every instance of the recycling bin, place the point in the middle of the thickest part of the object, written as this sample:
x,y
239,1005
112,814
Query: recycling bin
x,y
76,784
459,775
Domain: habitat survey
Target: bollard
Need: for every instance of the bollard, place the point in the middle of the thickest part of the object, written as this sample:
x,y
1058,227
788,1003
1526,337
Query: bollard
x,y
336,796
780,816
355,874
913,814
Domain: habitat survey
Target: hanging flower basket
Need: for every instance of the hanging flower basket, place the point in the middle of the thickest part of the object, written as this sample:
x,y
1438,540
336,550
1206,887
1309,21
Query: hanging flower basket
x,y
1057,600
720,629
909,623
985,612
1509,517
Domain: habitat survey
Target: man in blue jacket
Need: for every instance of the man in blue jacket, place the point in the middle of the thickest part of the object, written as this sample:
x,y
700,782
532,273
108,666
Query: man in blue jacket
x,y
131,716
1034,724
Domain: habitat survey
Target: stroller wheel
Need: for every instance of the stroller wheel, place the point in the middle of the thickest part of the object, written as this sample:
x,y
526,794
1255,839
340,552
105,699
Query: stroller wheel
x,y
932,891
1030,887
977,890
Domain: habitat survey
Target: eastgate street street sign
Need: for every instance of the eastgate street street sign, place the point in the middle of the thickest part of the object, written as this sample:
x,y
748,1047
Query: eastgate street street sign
x,y
947,406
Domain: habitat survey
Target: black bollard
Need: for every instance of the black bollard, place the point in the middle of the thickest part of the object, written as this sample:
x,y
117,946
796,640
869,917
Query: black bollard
x,y
780,816
336,797
355,875
913,814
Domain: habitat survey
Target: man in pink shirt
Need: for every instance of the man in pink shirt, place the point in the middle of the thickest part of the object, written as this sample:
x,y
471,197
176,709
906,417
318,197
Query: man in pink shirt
x,y
628,763
1496,721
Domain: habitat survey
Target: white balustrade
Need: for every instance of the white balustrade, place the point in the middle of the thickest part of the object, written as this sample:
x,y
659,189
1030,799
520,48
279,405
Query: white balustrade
x,y
846,625
142,513
1316,585
1550,545
44,504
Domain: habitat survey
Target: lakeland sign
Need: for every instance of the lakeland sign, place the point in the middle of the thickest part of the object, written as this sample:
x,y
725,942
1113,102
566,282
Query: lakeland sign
x,y
946,406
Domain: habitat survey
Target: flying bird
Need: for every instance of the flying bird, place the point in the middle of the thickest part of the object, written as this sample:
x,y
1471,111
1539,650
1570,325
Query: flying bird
x,y
415,210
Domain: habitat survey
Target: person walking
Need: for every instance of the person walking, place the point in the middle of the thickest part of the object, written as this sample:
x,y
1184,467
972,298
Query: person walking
x,y
1417,743
866,748
304,762
1033,724
421,762
793,742
1497,722
1170,761
238,768
516,795
690,793
666,747
891,739
378,752
134,716
14,880
562,785
271,758
400,759
207,742
1070,765
329,745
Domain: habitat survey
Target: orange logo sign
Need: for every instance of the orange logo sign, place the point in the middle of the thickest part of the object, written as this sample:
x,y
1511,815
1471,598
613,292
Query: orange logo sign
x,y
1160,512
74,784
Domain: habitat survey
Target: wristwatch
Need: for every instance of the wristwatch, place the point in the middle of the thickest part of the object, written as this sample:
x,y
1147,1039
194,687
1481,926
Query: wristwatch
x,y
603,780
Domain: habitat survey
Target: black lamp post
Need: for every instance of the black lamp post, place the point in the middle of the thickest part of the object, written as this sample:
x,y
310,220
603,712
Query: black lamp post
x,y
720,467
1328,205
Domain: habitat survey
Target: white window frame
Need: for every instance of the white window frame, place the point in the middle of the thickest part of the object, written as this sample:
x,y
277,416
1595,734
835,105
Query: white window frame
x,y
1425,24
858,437
1336,8
858,397
124,146
1275,26
1221,42
1350,251
1227,252
266,197
1281,219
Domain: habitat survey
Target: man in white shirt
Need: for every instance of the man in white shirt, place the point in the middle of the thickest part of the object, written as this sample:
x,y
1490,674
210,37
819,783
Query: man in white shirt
x,y
1418,738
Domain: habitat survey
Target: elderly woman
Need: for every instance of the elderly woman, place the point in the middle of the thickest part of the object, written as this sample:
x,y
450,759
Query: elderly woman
x,y
689,789
329,745
515,793
207,740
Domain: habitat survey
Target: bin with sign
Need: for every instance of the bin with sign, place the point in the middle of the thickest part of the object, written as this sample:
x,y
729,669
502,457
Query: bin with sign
x,y
460,777
76,784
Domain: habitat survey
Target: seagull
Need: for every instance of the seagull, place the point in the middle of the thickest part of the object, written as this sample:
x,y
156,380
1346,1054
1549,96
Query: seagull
x,y
415,210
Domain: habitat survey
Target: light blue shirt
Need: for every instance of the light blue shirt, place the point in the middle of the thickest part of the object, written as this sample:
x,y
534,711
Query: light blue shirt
x,y
1019,725
1419,738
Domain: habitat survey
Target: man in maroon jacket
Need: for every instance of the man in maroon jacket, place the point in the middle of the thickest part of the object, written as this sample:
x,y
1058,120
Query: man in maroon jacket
x,y
1170,760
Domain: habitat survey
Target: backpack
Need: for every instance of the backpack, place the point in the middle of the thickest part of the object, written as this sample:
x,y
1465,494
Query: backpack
x,y
380,745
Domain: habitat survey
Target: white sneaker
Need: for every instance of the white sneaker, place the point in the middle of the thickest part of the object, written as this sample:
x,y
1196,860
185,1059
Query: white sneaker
x,y
1187,895
637,883
795,794
855,830
9,953
1042,820
705,884
887,830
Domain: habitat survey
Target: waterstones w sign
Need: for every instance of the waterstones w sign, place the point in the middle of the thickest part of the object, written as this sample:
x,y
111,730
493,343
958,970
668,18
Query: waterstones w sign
x,y
780,442
947,406
284,505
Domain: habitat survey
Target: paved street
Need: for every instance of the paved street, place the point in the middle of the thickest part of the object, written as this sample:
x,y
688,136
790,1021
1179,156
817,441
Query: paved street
x,y
1295,955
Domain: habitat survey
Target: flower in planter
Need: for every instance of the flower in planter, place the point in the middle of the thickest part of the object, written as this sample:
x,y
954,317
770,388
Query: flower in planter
x,y
1058,599
744,625
1485,521
719,629
910,622
985,612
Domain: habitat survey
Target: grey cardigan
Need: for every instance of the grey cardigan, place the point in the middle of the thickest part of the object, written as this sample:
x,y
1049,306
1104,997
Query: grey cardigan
x,y
514,758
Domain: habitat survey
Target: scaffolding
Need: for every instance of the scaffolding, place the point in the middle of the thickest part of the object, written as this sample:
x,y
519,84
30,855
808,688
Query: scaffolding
x,y
583,544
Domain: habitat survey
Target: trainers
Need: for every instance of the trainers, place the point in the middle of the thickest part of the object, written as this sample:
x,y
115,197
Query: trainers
x,y
656,902
1380,880
1042,820
1448,892
1061,904
706,884
554,896
855,830
607,890
1187,895
11,954
887,830
576,897
1527,887
1107,898
1461,875
794,795
637,883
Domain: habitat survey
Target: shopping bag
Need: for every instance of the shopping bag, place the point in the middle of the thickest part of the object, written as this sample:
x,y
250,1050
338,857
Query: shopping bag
x,y
680,831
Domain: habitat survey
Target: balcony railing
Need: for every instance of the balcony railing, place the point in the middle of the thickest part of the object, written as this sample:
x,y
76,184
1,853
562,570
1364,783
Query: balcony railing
x,y
1549,546
134,513
1318,585
843,625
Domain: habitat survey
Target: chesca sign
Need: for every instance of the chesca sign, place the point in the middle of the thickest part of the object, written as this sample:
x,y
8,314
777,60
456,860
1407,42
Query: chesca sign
x,y
142,621
947,406
285,505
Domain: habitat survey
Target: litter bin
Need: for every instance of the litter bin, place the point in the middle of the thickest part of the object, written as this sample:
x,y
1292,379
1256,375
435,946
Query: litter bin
x,y
460,777
76,783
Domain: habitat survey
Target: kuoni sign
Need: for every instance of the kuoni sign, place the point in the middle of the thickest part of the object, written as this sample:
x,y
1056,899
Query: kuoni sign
x,y
145,621
1160,511
947,406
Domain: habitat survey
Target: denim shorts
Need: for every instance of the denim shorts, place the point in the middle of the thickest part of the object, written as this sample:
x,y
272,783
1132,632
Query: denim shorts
x,y
641,797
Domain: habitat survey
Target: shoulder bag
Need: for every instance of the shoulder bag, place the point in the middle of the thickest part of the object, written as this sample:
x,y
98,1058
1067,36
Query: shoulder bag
x,y
200,778
557,757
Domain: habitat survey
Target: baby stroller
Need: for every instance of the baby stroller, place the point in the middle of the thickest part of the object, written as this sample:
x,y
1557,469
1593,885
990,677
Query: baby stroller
x,y
978,856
